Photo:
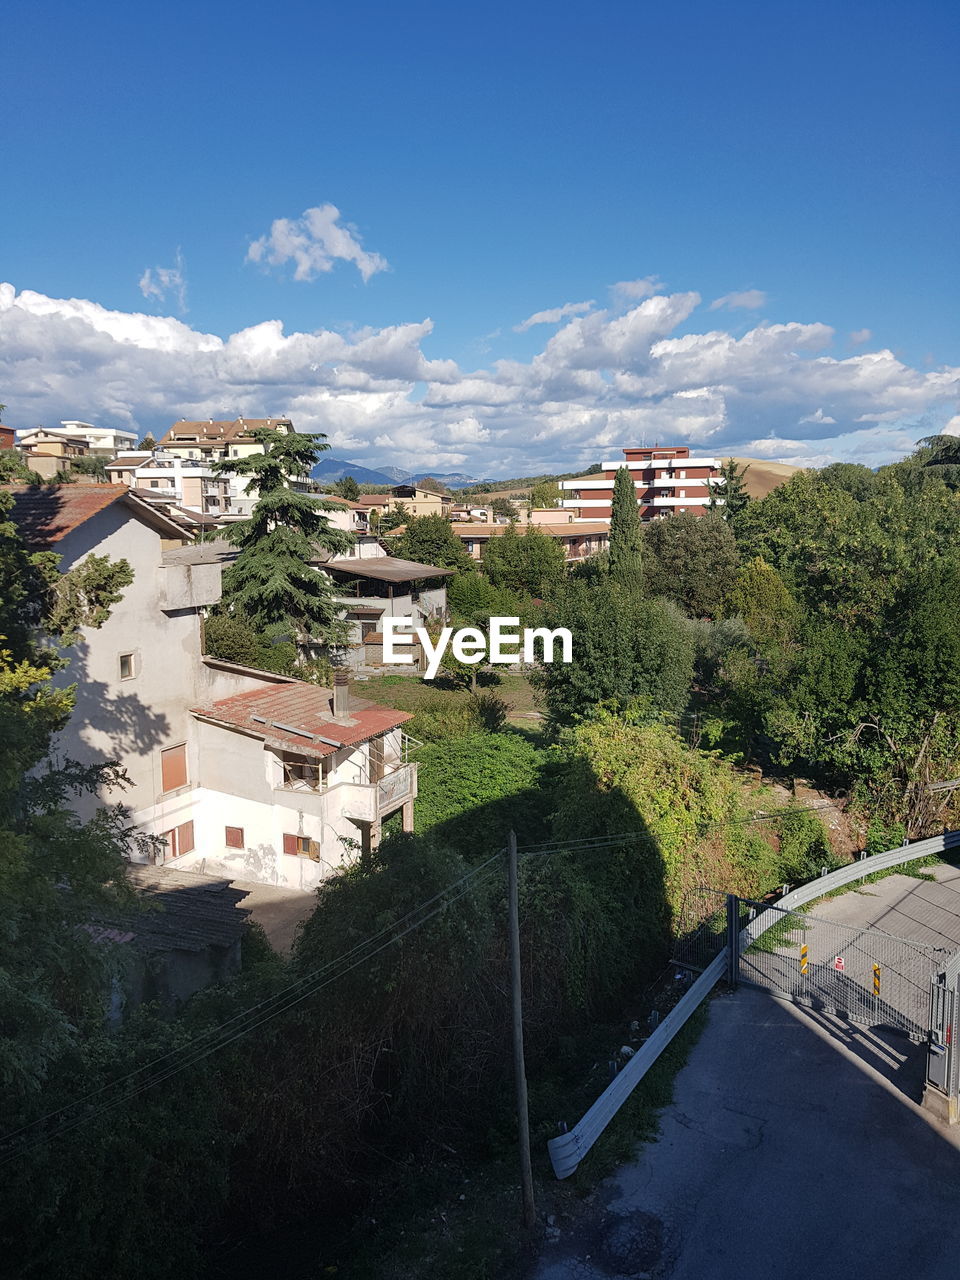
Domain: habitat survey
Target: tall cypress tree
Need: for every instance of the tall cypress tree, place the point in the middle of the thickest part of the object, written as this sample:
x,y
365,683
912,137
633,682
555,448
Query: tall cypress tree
x,y
626,536
273,582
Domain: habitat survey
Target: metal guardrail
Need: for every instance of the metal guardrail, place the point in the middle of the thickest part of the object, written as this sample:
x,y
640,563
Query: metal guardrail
x,y
567,1150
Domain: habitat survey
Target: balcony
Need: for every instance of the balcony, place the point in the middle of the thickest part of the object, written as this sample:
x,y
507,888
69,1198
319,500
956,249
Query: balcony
x,y
699,500
371,801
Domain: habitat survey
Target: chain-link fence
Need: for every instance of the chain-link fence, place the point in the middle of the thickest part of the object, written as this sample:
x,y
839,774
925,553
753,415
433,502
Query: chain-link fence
x,y
700,929
860,973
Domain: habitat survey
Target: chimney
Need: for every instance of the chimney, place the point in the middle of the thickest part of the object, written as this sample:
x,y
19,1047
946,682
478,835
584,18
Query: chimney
x,y
341,695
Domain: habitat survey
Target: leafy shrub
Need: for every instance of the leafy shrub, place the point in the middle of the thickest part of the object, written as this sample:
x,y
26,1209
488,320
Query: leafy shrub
x,y
489,711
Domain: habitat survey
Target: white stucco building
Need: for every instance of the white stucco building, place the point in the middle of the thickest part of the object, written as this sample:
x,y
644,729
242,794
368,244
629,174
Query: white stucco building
x,y
160,476
241,772
103,442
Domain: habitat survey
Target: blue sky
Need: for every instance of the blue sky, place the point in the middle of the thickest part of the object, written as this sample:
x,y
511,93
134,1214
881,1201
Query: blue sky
x,y
488,164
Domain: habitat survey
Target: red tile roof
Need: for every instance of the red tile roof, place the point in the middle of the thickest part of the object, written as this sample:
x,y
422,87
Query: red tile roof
x,y
217,430
275,712
45,514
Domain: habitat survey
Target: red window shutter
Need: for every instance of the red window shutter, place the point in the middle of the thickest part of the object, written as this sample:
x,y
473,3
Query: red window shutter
x,y
234,837
290,844
185,837
173,768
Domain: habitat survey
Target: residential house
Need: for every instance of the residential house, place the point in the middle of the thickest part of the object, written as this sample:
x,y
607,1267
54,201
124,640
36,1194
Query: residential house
x,y
102,442
239,772
50,452
216,439
580,539
374,585
421,499
667,480
7,437
161,476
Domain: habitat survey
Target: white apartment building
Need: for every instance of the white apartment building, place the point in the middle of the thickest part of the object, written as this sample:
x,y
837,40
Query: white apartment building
x,y
103,442
160,476
216,439
667,480
239,772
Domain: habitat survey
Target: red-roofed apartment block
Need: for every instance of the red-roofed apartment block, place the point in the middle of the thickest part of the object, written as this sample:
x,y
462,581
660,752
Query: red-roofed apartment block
x,y
668,480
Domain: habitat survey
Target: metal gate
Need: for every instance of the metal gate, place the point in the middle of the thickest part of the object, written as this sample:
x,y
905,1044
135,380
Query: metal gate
x,y
856,972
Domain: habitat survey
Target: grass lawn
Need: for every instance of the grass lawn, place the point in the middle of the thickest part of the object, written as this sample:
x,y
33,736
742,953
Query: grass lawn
x,y
410,693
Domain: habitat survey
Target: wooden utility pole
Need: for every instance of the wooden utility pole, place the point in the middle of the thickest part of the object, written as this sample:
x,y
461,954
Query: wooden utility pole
x,y
519,1069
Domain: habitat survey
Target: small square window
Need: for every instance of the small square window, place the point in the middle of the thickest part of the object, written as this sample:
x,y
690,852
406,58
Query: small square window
x,y
127,666
234,837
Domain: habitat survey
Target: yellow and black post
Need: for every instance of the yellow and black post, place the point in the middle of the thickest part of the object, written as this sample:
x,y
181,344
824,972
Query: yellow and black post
x,y
876,983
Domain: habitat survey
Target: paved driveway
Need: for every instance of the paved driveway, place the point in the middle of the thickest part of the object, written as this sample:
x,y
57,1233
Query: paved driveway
x,y
795,1147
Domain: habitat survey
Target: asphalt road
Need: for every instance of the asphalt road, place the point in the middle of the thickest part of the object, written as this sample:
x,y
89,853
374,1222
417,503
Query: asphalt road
x,y
795,1148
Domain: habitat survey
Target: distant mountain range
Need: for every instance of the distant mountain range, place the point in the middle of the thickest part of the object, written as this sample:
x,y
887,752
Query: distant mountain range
x,y
333,469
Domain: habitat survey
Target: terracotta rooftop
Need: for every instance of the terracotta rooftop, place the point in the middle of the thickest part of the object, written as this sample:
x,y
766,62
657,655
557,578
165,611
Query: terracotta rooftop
x,y
298,717
217,430
373,500
45,514
574,527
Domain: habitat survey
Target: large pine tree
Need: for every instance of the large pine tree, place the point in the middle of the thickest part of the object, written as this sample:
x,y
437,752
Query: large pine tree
x,y
273,582
626,536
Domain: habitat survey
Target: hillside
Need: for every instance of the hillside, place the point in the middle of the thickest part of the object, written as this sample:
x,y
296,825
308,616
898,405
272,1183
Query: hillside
x,y
764,476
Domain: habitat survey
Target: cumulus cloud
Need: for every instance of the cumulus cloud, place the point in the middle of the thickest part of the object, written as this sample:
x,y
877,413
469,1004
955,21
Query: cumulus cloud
x,y
160,282
860,336
554,315
315,242
748,300
604,379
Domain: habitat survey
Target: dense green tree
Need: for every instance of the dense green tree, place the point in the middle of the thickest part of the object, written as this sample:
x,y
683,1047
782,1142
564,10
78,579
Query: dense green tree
x,y
396,515
432,540
626,534
347,488
760,597
733,490
847,557
147,443
547,493
89,466
273,582
531,563
691,560
625,649
504,508
855,479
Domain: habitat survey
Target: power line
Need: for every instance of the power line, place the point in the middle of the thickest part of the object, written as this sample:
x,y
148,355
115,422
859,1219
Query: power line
x,y
210,1041
599,842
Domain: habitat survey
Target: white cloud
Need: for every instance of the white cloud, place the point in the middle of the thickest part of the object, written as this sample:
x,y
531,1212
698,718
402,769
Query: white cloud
x,y
158,282
554,315
602,380
635,290
748,300
315,242
819,416
860,336
951,428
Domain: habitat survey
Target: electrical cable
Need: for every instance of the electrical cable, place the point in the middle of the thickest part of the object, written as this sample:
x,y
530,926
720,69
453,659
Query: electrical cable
x,y
207,1042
